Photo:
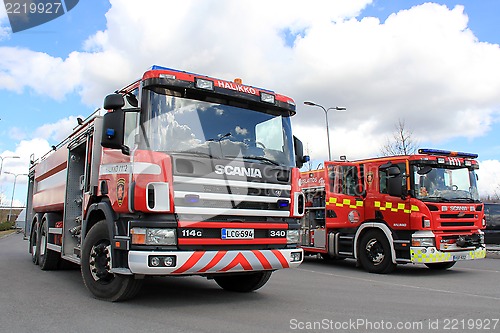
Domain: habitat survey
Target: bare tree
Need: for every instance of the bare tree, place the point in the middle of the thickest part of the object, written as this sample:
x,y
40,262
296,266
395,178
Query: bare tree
x,y
401,143
496,194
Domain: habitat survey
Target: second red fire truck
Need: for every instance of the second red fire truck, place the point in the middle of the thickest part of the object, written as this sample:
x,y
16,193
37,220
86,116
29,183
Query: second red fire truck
x,y
184,175
421,208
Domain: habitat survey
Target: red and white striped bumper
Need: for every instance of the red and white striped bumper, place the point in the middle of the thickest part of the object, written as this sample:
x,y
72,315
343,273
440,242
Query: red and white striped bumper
x,y
209,262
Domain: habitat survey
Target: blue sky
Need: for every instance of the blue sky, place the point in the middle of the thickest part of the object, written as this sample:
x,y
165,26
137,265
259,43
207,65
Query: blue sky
x,y
332,52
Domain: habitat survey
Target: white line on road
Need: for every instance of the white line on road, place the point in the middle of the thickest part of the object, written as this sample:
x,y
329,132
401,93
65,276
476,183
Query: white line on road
x,y
392,284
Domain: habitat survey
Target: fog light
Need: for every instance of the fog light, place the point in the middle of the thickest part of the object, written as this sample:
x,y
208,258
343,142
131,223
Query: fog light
x,y
168,261
155,261
296,256
162,261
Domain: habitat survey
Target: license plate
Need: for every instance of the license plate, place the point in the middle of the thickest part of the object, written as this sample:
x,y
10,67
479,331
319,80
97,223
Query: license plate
x,y
462,257
237,233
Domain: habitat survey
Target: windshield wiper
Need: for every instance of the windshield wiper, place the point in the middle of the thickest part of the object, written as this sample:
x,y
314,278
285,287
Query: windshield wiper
x,y
198,153
463,199
436,199
258,158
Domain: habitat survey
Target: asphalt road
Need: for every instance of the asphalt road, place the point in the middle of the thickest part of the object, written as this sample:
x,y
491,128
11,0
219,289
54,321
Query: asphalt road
x,y
319,296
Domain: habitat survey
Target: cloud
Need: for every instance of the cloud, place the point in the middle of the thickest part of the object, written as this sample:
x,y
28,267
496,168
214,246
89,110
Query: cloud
x,y
5,29
34,146
489,177
56,132
21,68
423,64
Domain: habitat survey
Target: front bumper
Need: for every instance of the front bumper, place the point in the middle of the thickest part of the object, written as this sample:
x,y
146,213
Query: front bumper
x,y
210,262
424,255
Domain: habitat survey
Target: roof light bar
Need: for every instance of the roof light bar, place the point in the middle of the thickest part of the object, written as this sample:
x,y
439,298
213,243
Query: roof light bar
x,y
267,98
204,84
446,153
166,76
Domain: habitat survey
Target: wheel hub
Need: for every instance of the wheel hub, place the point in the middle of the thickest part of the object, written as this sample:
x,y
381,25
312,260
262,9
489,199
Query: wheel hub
x,y
375,251
100,261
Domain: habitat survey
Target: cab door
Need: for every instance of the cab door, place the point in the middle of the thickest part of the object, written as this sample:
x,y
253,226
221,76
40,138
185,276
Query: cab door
x,y
344,195
388,200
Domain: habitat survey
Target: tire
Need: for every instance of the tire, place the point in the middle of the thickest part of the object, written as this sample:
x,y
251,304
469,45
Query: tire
x,y
95,268
34,243
47,259
375,253
243,283
441,266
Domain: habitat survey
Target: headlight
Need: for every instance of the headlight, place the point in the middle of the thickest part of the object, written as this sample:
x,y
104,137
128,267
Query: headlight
x,y
292,236
423,241
153,236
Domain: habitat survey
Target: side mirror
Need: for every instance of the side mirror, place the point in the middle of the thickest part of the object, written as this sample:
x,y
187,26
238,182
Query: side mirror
x,y
424,170
393,171
394,186
113,131
114,102
300,158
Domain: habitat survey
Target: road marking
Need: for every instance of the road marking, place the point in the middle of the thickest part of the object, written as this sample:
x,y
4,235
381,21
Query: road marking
x,y
400,285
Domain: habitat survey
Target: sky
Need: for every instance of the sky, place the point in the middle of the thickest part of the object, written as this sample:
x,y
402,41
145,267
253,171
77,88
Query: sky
x,y
435,65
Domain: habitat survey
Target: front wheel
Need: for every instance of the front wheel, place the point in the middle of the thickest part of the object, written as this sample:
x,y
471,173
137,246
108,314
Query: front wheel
x,y
441,265
96,268
243,283
375,253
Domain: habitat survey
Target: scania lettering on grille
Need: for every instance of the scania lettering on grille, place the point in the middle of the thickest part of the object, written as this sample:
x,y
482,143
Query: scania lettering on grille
x,y
237,171
458,208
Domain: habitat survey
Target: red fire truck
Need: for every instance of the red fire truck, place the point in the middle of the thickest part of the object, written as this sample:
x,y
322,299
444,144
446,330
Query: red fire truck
x,y
421,208
183,175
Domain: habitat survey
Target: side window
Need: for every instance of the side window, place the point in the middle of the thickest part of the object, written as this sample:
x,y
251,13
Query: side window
x,y
384,178
343,179
131,118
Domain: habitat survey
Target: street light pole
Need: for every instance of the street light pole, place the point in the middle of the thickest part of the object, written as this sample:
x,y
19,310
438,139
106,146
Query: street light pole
x,y
13,190
1,162
336,108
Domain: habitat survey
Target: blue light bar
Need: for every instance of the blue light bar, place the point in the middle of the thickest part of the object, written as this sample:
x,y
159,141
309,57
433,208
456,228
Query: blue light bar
x,y
283,203
446,153
191,198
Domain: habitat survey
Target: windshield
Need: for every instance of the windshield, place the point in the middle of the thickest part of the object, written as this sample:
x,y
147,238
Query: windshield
x,y
445,184
176,124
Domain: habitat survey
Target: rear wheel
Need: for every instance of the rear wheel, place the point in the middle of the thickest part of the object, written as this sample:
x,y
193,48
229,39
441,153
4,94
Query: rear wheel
x,y
243,283
441,265
96,268
34,243
375,253
48,259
